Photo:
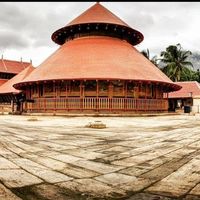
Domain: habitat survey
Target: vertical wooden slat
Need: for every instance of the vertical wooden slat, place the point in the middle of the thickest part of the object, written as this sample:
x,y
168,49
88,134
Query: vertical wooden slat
x,y
90,103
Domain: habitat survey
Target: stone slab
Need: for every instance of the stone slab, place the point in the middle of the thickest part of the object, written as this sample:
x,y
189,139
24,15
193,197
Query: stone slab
x,y
65,158
92,187
134,171
195,190
85,154
6,164
78,172
115,179
97,166
42,172
47,162
179,182
18,178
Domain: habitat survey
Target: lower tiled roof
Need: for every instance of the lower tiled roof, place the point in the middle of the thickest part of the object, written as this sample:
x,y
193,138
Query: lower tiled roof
x,y
189,88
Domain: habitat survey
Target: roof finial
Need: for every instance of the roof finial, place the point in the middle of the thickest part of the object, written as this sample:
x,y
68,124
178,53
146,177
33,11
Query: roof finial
x,y
2,57
21,59
31,61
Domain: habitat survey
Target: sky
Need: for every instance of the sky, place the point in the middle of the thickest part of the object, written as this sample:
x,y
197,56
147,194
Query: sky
x,y
26,27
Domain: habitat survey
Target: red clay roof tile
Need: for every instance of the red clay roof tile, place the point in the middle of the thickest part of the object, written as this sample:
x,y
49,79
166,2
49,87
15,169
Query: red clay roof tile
x,y
11,66
188,88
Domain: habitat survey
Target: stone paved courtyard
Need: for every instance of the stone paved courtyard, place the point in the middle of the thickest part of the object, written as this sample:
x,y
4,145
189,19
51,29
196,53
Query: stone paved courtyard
x,y
58,158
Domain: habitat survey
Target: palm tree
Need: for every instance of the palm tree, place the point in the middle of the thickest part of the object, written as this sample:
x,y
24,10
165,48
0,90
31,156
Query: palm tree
x,y
187,74
175,60
198,75
147,55
154,60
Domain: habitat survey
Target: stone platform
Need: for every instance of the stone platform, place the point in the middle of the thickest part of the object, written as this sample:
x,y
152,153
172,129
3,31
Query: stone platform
x,y
142,158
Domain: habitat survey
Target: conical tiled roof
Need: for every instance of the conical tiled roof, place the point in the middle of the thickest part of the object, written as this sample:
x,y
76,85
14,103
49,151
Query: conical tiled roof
x,y
97,13
97,58
98,18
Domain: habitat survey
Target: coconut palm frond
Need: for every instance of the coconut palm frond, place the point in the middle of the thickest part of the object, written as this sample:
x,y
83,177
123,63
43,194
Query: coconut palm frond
x,y
175,59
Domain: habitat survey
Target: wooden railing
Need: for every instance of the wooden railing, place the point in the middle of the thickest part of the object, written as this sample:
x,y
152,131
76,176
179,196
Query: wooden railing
x,y
4,108
97,104
1,109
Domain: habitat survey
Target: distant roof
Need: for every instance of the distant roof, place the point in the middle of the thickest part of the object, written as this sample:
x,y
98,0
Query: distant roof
x,y
7,87
188,88
12,66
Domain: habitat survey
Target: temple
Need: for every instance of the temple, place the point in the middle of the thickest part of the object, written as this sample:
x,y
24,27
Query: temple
x,y
96,69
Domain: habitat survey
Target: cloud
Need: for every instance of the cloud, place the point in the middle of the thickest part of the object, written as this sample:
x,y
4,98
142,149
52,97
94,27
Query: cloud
x,y
11,16
29,25
10,39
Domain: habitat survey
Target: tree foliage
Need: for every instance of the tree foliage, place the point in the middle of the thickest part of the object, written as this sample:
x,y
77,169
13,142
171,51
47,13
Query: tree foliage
x,y
154,59
175,60
175,64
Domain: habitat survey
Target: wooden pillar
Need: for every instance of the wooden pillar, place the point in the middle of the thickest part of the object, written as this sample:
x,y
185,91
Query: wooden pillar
x,y
125,94
12,105
82,89
97,95
110,90
82,95
66,89
70,87
44,87
145,96
135,90
25,104
125,89
161,91
68,94
97,89
38,102
110,95
139,101
54,92
55,89
30,91
21,106
38,94
158,103
155,91
146,91
139,89
27,93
